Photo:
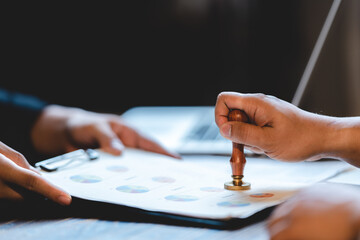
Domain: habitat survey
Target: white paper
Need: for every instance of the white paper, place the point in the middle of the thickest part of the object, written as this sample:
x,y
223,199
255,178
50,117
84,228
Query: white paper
x,y
193,188
351,176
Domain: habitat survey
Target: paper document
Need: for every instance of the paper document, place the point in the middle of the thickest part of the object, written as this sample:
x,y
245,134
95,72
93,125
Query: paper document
x,y
192,188
351,176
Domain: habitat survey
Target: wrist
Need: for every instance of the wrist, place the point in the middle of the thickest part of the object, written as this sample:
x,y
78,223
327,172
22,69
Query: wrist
x,y
324,134
343,140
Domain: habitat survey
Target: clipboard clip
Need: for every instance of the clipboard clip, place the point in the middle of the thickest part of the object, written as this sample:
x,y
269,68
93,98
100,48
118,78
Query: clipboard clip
x,y
67,159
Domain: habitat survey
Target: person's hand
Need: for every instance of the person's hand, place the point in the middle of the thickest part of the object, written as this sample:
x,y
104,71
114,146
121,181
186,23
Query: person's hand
x,y
323,211
277,128
17,177
62,129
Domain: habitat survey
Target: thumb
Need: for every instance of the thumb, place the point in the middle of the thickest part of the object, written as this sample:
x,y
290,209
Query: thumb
x,y
243,133
108,140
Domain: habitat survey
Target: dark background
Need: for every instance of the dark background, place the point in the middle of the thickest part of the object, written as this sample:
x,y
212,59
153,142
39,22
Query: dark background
x,y
162,52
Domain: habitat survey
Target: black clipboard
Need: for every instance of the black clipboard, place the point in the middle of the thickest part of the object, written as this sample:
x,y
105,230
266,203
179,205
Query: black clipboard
x,y
85,208
38,208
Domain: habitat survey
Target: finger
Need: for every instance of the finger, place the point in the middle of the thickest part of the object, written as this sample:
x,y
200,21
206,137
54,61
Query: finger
x,y
34,170
275,217
34,182
133,138
115,147
254,149
227,101
108,140
243,133
150,145
280,231
70,148
281,218
14,156
258,107
221,109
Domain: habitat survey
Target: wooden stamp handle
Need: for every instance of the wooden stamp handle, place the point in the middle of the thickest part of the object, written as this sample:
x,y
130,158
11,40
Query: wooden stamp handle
x,y
237,159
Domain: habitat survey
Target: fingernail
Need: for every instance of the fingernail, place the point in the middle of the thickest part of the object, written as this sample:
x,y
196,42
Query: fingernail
x,y
64,199
116,144
176,155
226,130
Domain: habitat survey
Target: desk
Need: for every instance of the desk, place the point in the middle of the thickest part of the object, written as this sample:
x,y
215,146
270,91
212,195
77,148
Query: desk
x,y
74,228
90,228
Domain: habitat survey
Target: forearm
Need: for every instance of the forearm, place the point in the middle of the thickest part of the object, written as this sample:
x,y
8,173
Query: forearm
x,y
18,115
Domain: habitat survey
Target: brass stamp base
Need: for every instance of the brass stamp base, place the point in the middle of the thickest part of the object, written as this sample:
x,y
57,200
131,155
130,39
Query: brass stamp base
x,y
231,186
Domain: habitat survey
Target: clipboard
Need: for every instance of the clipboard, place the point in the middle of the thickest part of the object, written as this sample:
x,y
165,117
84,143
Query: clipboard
x,y
164,189
65,160
82,207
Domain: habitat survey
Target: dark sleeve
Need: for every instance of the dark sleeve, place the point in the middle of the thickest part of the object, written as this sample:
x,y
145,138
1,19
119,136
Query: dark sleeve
x,y
18,113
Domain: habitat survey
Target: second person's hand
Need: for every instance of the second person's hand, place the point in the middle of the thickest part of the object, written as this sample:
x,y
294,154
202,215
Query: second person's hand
x,y
61,129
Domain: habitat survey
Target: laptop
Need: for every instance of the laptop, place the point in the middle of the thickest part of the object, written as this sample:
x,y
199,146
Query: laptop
x,y
192,129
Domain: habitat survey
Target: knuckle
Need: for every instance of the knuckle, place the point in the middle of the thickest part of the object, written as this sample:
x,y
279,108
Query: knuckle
x,y
271,97
223,95
31,182
18,156
19,159
260,96
220,96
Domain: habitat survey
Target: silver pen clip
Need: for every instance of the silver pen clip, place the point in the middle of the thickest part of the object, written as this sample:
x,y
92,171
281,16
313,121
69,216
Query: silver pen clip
x,y
67,159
